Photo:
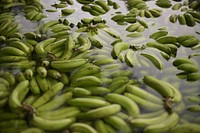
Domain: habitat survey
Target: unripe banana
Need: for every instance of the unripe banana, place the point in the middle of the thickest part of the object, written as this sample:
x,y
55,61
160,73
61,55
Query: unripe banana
x,y
56,102
143,103
159,86
129,105
101,112
118,123
52,125
32,129
143,122
186,128
48,95
82,127
67,65
158,34
181,19
18,94
163,126
88,102
154,59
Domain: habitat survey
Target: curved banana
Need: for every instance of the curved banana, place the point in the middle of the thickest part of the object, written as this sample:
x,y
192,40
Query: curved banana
x,y
52,125
143,122
144,103
154,59
159,86
67,65
158,34
118,47
48,95
163,126
18,94
101,112
186,128
87,102
56,102
83,128
118,123
129,105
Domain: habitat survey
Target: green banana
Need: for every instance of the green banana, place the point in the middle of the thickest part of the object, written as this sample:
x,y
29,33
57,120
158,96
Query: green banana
x,y
129,105
143,103
60,113
100,126
190,42
189,19
64,78
182,60
181,19
100,112
9,50
51,47
118,47
21,46
82,127
32,129
155,12
56,102
143,122
42,83
193,77
98,90
87,102
98,9
103,5
154,59
173,18
69,48
34,87
48,25
28,73
186,128
54,73
118,123
67,11
129,58
188,67
167,39
39,48
159,46
159,86
158,34
52,125
48,95
30,99
87,81
20,65
177,6
18,94
67,65
133,27
183,38
163,126
194,108
143,23
9,77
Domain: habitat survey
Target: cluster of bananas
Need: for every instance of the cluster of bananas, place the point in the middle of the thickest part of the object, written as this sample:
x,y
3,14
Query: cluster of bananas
x,y
95,8
33,11
91,25
139,8
189,18
189,68
8,25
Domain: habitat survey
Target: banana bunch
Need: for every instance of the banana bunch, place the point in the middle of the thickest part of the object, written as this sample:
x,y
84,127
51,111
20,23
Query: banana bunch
x,y
123,19
186,127
137,27
33,11
138,4
189,18
189,67
91,25
8,25
188,41
96,8
7,81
